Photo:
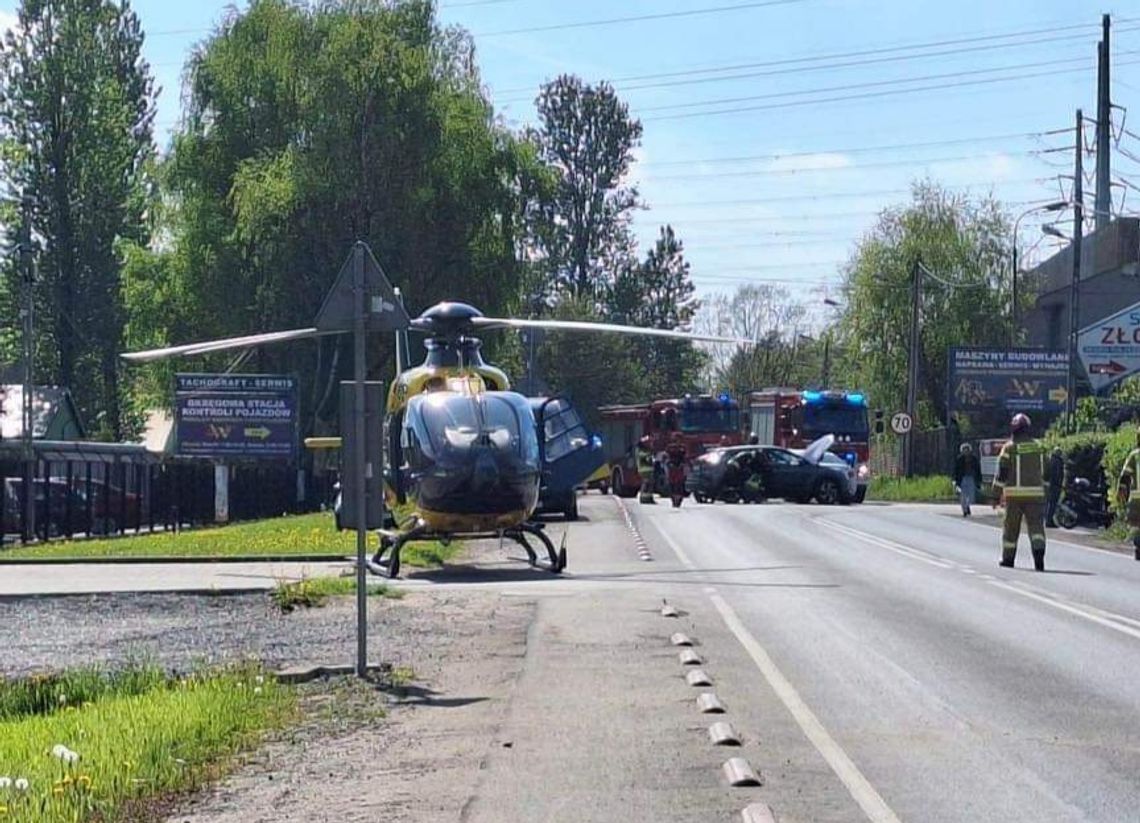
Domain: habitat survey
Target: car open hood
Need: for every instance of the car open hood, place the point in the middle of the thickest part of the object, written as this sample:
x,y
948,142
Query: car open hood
x,y
815,451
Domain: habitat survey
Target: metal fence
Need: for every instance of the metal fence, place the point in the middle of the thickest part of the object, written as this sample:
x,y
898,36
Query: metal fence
x,y
933,454
94,490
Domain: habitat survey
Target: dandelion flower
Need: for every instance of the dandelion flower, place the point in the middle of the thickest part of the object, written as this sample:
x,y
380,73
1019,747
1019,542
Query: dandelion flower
x,y
5,782
59,750
57,791
257,689
3,810
259,679
84,780
63,699
21,784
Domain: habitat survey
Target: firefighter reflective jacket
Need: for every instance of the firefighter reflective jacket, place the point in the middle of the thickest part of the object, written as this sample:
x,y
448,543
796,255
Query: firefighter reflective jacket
x,y
1021,470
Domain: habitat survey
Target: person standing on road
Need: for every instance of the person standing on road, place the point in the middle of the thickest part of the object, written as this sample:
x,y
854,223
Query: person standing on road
x,y
967,477
1128,493
1021,478
1056,484
645,471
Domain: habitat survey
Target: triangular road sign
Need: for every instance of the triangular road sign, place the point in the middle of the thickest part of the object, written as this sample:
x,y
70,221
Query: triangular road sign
x,y
383,312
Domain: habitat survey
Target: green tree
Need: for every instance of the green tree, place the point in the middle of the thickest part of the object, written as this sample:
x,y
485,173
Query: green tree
x,y
659,293
587,136
307,129
76,116
962,246
592,369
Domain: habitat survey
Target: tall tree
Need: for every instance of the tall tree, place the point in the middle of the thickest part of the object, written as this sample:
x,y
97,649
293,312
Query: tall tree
x,y
588,136
659,293
307,128
76,115
963,245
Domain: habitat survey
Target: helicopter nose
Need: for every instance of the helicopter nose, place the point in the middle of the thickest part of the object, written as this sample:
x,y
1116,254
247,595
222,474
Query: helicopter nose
x,y
486,472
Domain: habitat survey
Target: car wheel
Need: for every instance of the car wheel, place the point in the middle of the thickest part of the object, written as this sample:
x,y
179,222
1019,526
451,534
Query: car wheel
x,y
827,492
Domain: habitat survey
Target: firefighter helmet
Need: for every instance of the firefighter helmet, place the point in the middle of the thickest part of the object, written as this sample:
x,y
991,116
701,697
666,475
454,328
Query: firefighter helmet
x,y
1020,423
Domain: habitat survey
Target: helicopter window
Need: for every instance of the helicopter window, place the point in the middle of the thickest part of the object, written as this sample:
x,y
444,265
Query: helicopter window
x,y
444,424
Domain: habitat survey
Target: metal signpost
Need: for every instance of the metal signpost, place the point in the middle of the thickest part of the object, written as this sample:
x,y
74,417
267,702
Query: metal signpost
x,y
1017,380
361,300
1110,349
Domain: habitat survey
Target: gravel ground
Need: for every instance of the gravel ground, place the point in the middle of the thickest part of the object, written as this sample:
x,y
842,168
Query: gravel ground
x,y
180,631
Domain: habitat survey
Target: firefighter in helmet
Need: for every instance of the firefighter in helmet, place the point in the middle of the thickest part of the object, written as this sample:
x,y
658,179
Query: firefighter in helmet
x,y
1021,478
645,470
1128,493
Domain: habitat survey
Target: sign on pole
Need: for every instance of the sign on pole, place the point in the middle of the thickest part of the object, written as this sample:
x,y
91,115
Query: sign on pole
x,y
236,415
1016,380
901,423
1110,348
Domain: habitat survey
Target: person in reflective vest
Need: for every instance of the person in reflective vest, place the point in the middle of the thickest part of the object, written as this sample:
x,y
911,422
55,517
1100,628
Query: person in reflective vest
x,y
645,471
1021,478
1128,493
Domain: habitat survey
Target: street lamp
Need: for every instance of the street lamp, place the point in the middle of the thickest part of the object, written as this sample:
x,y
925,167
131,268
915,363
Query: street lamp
x,y
1057,205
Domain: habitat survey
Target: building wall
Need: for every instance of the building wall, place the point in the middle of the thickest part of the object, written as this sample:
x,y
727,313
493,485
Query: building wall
x,y
1110,264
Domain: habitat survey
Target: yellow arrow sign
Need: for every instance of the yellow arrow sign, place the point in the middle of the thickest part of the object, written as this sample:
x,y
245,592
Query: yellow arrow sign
x,y
1058,395
259,432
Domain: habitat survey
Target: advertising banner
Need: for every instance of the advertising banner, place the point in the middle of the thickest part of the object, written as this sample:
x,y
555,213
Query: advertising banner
x,y
1024,380
236,415
1110,349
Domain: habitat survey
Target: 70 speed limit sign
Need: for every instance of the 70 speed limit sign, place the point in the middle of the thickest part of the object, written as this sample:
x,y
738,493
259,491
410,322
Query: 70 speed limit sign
x,y
901,423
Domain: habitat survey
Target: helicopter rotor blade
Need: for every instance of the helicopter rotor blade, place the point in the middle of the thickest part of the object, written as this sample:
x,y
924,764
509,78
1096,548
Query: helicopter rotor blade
x,y
589,326
224,344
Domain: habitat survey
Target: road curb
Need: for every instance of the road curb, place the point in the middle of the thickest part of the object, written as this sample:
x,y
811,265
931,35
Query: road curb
x,y
199,592
303,674
177,560
758,813
739,772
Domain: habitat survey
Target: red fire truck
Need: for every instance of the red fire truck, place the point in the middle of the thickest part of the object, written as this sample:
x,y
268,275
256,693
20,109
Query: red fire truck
x,y
703,422
792,418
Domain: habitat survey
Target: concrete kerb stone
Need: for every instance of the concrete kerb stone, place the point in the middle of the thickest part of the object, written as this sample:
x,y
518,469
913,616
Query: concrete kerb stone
x,y
688,657
739,772
698,677
197,592
722,734
681,639
758,813
303,674
709,703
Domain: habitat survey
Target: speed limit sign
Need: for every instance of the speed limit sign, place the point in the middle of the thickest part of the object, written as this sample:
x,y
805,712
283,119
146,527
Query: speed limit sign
x,y
901,423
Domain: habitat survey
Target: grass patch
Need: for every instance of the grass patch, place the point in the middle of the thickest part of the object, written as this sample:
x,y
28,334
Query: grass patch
x,y
426,555
313,592
304,534
911,489
139,738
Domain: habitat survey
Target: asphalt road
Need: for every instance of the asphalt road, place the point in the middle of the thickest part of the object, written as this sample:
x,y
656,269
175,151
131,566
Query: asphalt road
x,y
936,685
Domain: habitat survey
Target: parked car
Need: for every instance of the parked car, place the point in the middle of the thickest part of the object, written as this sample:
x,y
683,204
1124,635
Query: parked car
x,y
845,473
787,475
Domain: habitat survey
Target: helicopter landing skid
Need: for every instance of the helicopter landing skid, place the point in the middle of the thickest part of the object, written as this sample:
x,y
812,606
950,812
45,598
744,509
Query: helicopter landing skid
x,y
519,533
390,566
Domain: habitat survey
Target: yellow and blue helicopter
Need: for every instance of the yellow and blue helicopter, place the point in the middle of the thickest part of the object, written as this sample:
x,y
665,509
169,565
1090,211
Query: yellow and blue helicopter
x,y
464,449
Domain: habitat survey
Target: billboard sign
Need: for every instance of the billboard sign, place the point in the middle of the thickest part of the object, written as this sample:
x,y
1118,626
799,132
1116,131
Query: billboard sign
x,y
1017,380
1110,348
236,415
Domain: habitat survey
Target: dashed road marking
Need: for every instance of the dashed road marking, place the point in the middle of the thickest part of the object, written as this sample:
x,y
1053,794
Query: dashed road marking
x,y
642,547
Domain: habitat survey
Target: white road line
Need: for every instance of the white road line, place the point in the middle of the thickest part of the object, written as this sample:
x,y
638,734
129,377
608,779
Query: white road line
x,y
1111,620
1103,618
889,545
861,790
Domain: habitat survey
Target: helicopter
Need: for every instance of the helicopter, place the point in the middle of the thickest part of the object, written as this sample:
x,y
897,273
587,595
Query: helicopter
x,y
463,449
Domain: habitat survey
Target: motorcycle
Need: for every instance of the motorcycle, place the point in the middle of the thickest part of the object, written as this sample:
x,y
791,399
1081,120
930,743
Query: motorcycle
x,y
1081,504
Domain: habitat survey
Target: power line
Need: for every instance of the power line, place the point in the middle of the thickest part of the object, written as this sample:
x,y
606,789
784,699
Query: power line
x,y
820,196
968,41
520,94
869,95
640,18
719,101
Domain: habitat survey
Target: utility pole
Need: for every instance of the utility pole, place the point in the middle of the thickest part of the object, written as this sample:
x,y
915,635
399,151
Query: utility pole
x,y
912,366
1103,129
1075,285
26,257
826,376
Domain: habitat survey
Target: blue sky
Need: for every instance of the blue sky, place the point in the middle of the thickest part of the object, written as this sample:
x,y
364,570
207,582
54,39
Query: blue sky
x,y
817,173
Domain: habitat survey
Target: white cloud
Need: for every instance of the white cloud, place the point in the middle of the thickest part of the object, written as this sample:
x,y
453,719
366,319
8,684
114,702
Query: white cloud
x,y
993,168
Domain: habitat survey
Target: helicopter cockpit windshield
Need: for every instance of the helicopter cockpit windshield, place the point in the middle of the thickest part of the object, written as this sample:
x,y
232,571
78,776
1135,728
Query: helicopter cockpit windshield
x,y
446,427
